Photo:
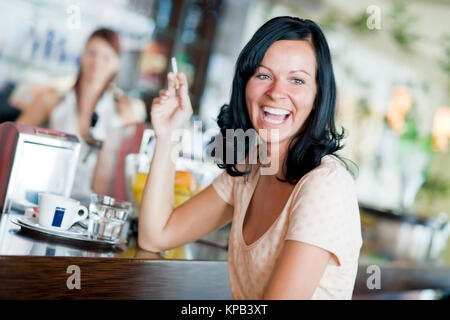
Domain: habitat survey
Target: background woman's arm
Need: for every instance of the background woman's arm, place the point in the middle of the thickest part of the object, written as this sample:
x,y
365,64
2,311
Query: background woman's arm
x,y
38,112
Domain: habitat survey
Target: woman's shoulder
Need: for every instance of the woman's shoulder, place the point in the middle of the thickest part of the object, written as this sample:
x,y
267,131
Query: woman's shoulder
x,y
238,181
334,164
332,170
250,171
331,164
328,183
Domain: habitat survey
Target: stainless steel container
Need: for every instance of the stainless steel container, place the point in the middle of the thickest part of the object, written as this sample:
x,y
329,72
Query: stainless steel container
x,y
34,160
405,237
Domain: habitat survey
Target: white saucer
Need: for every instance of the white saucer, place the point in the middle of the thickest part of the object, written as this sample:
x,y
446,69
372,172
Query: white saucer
x,y
82,235
32,223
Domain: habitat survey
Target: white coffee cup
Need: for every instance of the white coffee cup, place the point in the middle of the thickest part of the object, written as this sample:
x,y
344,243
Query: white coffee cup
x,y
59,212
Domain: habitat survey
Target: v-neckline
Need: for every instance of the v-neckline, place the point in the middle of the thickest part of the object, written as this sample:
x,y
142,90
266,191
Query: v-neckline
x,y
242,219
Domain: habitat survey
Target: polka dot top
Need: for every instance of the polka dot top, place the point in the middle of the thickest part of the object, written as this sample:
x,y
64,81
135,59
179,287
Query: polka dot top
x,y
322,210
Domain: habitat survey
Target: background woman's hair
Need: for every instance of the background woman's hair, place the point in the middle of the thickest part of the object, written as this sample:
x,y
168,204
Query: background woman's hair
x,y
109,36
112,38
318,136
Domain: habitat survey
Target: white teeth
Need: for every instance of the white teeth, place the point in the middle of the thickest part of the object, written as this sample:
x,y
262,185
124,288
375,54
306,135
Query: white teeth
x,y
276,111
273,121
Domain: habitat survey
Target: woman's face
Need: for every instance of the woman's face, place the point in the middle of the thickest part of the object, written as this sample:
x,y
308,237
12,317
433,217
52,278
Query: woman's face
x,y
99,61
280,95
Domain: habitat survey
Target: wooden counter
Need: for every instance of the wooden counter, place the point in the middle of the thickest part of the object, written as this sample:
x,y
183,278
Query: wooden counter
x,y
28,277
35,267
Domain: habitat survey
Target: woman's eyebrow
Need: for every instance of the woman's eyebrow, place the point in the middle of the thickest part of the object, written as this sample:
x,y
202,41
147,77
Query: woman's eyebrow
x,y
263,66
293,71
301,70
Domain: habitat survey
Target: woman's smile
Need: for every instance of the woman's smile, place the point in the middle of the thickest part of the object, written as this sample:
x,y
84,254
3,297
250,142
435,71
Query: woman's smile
x,y
274,117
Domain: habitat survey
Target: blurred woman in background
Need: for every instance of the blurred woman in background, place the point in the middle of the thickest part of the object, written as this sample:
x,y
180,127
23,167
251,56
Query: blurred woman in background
x,y
91,107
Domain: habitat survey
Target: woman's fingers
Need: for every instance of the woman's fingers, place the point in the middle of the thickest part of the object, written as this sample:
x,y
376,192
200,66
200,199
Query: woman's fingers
x,y
171,84
184,92
156,101
182,82
163,92
172,108
164,104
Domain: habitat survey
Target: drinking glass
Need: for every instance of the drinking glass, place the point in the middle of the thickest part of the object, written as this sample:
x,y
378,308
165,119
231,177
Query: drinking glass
x,y
107,217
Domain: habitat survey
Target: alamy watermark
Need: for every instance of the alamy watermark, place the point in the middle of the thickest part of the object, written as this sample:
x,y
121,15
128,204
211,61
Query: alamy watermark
x,y
74,280
373,22
374,280
73,21
231,149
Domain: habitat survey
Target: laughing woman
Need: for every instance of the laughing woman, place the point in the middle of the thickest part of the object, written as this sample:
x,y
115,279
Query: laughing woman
x,y
296,233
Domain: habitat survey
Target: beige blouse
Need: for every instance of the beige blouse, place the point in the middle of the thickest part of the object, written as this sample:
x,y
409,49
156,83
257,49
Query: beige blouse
x,y
322,210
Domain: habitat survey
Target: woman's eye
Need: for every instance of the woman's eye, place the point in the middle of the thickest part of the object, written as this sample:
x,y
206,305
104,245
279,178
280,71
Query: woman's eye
x,y
298,81
262,76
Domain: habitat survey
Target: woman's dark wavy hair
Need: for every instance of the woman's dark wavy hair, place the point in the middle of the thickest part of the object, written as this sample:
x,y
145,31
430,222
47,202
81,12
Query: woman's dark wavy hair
x,y
318,136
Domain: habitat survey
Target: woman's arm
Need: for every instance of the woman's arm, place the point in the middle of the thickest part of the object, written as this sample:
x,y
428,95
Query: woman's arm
x,y
161,226
38,112
131,110
297,272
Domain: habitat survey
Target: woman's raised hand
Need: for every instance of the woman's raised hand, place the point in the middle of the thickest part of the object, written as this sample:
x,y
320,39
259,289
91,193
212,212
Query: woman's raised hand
x,y
171,111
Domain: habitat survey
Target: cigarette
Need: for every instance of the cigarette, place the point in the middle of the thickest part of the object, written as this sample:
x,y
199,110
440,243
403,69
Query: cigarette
x,y
175,71
174,65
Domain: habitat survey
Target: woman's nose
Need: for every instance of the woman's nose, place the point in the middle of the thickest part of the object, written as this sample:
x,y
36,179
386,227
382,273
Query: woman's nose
x,y
277,90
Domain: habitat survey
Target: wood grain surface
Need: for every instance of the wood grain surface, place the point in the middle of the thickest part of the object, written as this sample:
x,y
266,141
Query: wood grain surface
x,y
27,277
